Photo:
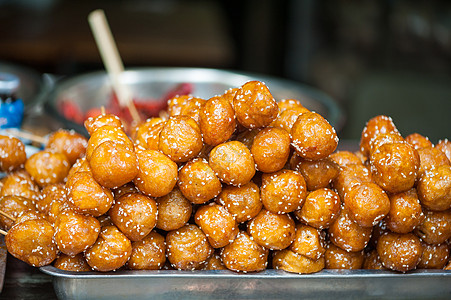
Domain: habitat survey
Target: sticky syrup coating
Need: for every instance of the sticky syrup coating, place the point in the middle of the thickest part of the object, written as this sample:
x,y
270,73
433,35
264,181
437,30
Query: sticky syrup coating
x,y
149,128
135,215
405,212
444,146
68,142
244,254
399,251
436,227
93,123
337,258
214,262
47,167
13,206
320,209
197,181
12,153
32,242
372,261
157,173
74,232
288,117
111,250
242,202
19,183
76,263
318,173
385,138
175,104
434,256
375,126
174,210
349,176
271,230
56,207
313,137
344,158
107,133
292,262
434,188
187,248
418,141
81,165
308,241
232,162
283,191
431,158
50,193
148,253
191,107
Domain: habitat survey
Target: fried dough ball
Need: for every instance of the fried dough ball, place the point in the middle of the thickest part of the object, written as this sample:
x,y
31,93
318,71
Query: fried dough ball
x,y
271,230
431,158
107,133
286,104
287,118
349,176
113,164
76,263
434,188
175,104
436,227
313,137
375,126
50,193
232,162
127,188
247,136
86,196
157,173
445,147
394,166
318,173
187,248
148,253
198,182
242,202
372,261
434,256
68,142
20,183
180,139
93,123
47,167
74,232
29,215
418,141
399,251
283,191
337,258
12,154
81,165
32,242
385,138
13,206
344,158
244,254
147,129
56,207
271,149
214,262
254,105
293,262
191,107
174,210
135,215
111,250
308,241
153,136
405,212
320,209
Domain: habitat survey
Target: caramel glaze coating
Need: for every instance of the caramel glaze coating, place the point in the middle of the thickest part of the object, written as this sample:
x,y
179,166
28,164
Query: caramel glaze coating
x,y
157,173
244,254
32,242
405,212
292,262
74,232
271,230
287,118
271,149
19,183
349,176
320,209
445,147
148,253
431,158
13,206
344,158
399,251
283,191
50,193
418,141
174,211
93,123
111,250
337,258
198,182
107,133
187,248
436,227
217,223
232,162
434,188
375,126
434,256
76,263
12,154
254,105
385,138
318,173
47,167
242,202
372,261
313,137
68,142
308,241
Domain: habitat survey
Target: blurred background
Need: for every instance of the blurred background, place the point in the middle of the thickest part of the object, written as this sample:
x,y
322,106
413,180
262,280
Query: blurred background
x,y
372,57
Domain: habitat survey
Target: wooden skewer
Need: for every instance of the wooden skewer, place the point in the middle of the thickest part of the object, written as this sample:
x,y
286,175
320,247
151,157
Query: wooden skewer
x,y
3,232
112,60
25,135
8,216
102,110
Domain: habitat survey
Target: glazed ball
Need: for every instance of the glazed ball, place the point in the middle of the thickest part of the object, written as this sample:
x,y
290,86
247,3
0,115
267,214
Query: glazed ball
x,y
81,165
19,183
68,142
175,104
434,188
286,104
385,138
76,263
308,241
13,206
180,139
47,167
247,137
149,129
157,173
244,254
242,202
399,251
174,210
318,173
12,154
434,256
271,149
197,181
405,212
93,123
431,158
74,232
283,191
32,242
86,196
214,262
418,141
217,120
344,158
56,207
375,126
292,262
337,258
50,193
320,209
287,118
148,253
349,176
187,248
135,215
124,189
436,227
111,250
191,107
271,230
394,167
107,133
254,105
232,162
372,261
29,215
445,147
113,164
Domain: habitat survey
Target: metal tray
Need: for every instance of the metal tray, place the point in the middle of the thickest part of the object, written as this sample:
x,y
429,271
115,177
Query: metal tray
x,y
269,284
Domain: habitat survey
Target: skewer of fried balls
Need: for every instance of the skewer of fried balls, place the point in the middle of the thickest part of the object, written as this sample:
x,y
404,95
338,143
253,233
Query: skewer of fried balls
x,y
238,182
